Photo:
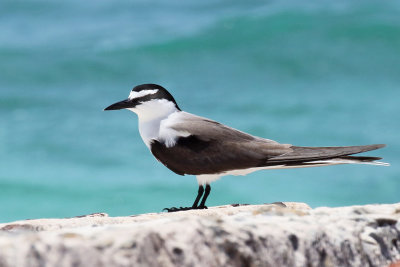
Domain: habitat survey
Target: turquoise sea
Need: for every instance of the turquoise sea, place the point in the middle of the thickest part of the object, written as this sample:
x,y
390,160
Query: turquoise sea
x,y
311,73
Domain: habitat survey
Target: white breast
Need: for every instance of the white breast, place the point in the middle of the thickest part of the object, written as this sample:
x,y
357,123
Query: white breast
x,y
155,118
149,130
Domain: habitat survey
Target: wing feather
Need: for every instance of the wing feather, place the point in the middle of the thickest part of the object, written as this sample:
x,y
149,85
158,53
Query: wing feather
x,y
211,148
302,154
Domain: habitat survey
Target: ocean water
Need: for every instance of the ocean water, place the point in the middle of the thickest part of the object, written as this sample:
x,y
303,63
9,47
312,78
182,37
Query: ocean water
x,y
315,73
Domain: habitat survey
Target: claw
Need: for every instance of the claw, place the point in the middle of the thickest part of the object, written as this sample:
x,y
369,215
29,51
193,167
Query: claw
x,y
174,209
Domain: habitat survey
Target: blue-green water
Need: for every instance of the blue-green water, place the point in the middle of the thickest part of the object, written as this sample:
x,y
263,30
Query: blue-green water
x,y
313,73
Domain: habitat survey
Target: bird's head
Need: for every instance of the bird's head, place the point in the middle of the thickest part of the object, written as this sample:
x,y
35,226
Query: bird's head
x,y
147,100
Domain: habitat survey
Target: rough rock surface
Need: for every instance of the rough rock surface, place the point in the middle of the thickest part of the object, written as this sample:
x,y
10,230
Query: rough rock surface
x,y
288,234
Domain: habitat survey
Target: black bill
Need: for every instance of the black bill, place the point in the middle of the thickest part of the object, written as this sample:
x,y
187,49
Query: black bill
x,y
121,105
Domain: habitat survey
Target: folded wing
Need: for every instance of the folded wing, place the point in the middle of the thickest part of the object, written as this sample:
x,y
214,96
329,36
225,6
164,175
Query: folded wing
x,y
212,148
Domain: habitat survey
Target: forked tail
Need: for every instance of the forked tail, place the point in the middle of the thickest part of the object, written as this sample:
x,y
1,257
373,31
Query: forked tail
x,y
319,156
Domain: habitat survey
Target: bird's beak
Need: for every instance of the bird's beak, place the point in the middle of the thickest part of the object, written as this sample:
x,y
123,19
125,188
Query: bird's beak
x,y
127,103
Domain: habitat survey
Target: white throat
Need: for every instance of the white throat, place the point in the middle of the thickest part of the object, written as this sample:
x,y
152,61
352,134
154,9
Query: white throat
x,y
151,114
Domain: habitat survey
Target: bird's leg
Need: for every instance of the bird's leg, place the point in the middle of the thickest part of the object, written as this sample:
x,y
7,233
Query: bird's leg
x,y
203,201
199,194
195,204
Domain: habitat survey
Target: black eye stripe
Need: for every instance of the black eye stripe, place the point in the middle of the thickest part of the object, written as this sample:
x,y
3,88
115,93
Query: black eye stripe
x,y
154,97
160,94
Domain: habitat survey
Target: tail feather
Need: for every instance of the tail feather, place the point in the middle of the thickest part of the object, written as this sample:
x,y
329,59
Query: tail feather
x,y
350,160
327,155
361,158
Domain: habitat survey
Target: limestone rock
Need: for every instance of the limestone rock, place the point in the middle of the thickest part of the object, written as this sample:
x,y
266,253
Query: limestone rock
x,y
282,234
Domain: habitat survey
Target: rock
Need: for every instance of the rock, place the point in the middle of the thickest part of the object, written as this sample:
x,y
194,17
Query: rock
x,y
281,234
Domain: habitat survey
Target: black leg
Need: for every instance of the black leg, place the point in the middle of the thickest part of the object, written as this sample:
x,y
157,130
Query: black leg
x,y
199,194
203,201
195,204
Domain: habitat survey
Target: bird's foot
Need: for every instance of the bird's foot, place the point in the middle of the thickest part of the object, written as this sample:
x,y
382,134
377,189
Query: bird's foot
x,y
174,209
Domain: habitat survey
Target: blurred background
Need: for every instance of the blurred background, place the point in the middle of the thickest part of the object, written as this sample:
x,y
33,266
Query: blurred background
x,y
315,73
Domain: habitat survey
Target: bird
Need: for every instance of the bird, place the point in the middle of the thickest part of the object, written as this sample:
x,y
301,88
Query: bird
x,y
188,144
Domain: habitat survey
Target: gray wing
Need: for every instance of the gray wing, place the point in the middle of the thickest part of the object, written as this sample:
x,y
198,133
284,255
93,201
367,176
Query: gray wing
x,y
302,154
215,148
207,129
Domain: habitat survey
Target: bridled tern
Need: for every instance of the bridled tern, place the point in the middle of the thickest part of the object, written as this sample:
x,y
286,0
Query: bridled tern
x,y
192,145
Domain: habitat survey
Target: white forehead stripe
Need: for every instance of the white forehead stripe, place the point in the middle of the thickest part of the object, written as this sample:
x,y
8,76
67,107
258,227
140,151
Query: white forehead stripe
x,y
135,94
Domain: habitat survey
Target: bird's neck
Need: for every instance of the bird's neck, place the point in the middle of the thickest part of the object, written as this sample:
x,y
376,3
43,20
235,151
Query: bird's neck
x,y
150,115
